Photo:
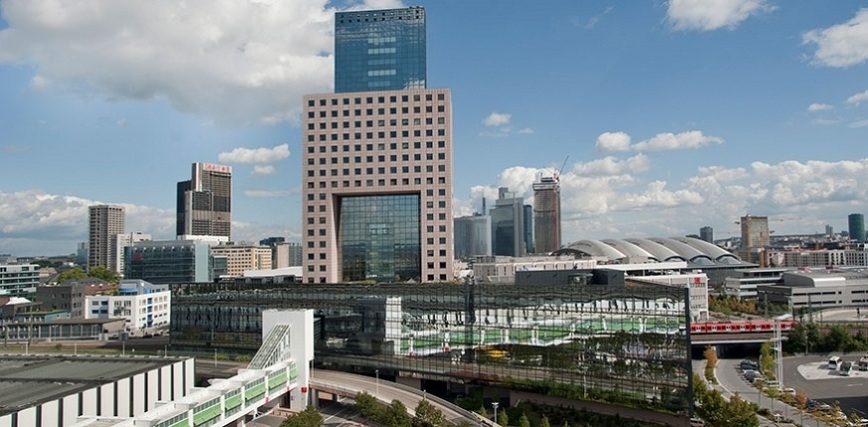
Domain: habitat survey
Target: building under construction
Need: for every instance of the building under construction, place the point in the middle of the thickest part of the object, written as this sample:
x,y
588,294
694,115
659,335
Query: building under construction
x,y
547,214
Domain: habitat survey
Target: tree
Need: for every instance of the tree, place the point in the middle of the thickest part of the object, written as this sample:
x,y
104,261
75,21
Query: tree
x,y
716,411
503,418
367,406
396,415
523,421
104,274
545,422
427,415
309,417
710,356
482,412
767,360
71,274
801,399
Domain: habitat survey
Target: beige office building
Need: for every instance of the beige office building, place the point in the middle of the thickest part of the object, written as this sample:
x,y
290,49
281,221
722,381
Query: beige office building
x,y
377,186
104,223
241,258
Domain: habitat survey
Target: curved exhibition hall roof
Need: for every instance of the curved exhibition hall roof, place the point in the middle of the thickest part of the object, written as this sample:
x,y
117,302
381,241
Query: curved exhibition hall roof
x,y
654,249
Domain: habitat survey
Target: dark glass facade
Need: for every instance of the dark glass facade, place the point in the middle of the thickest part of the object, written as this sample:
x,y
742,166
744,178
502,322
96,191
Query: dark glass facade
x,y
379,237
619,344
380,50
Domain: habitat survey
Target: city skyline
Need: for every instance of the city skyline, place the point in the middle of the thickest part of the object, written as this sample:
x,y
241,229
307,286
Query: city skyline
x,y
672,116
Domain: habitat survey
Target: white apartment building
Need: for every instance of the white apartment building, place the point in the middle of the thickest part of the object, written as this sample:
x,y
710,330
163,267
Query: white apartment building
x,y
144,306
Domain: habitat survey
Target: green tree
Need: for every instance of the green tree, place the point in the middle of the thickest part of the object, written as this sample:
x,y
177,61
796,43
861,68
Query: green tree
x,y
839,339
523,421
104,274
716,411
767,360
396,415
71,274
482,412
566,424
796,339
503,418
427,415
367,406
309,417
545,422
815,340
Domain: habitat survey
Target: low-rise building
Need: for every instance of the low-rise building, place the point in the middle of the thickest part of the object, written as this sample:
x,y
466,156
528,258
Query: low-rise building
x,y
743,282
69,296
809,290
241,258
19,280
170,261
144,307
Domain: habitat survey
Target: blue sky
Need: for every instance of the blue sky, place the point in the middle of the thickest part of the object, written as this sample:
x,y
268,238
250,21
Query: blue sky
x,y
671,115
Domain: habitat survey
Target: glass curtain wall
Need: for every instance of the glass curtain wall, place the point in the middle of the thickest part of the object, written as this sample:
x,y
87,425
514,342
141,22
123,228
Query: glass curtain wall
x,y
619,344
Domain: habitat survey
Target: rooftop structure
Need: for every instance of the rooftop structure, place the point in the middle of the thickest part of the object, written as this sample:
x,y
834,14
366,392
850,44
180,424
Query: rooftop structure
x,y
378,50
39,390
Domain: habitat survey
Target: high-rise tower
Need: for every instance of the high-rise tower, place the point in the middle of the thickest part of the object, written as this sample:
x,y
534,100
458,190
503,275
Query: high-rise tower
x,y
507,225
547,214
856,227
754,237
104,223
204,203
379,50
377,159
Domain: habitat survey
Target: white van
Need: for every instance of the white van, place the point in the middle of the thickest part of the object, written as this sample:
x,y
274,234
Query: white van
x,y
834,361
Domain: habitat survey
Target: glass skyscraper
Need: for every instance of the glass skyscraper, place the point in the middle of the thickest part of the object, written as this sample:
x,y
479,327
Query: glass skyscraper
x,y
380,50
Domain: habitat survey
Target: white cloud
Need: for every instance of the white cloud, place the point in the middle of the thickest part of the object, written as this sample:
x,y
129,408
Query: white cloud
x,y
35,222
620,141
824,122
841,45
230,61
263,170
613,141
707,15
677,141
859,124
858,98
497,119
611,166
614,198
594,20
255,155
267,193
524,131
813,108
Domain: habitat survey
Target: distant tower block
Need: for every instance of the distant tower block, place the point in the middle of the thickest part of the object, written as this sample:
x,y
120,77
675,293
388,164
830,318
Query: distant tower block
x,y
547,214
856,223
707,233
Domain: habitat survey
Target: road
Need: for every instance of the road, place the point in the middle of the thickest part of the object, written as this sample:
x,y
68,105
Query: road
x,y
809,373
731,382
385,391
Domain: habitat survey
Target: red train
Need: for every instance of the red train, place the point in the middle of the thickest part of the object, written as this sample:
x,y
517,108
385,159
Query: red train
x,y
742,326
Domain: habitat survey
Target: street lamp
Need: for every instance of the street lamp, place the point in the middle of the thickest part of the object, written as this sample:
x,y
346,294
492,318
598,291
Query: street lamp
x,y
494,405
377,373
